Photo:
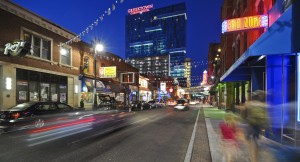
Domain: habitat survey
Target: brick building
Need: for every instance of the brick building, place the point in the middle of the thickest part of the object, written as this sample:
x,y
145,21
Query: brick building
x,y
51,70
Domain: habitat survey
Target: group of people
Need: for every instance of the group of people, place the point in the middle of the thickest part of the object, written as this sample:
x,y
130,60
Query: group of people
x,y
234,132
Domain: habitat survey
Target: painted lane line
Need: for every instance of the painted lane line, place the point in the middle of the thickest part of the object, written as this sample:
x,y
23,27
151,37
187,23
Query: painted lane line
x,y
188,155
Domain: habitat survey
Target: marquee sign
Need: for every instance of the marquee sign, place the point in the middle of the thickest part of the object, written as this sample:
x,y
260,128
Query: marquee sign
x,y
141,9
245,23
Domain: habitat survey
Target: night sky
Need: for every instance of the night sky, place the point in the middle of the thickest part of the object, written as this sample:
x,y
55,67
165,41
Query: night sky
x,y
203,22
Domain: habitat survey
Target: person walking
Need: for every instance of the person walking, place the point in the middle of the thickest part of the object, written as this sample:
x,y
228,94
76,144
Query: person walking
x,y
228,137
257,120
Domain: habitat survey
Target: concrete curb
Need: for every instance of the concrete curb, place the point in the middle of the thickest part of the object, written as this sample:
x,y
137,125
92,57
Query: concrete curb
x,y
214,142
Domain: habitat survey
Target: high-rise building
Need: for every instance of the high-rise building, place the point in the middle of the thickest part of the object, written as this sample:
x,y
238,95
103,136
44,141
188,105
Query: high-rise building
x,y
187,72
156,39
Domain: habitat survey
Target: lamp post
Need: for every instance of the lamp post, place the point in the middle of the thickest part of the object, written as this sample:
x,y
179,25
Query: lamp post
x,y
98,48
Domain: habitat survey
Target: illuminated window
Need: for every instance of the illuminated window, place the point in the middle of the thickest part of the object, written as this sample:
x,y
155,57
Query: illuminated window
x,y
65,55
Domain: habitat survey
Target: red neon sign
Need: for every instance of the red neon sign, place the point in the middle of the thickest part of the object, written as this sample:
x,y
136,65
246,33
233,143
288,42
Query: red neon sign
x,y
245,23
141,9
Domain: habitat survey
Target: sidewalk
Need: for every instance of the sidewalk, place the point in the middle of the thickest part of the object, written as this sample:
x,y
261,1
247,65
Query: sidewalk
x,y
213,116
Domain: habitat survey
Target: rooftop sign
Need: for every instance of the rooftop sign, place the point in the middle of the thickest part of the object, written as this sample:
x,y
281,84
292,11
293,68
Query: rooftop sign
x,y
245,23
141,9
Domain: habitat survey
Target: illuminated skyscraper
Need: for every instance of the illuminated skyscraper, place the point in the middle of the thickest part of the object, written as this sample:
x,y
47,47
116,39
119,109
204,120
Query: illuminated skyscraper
x,y
156,39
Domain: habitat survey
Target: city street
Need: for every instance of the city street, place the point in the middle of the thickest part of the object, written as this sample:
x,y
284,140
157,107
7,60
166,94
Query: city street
x,y
151,135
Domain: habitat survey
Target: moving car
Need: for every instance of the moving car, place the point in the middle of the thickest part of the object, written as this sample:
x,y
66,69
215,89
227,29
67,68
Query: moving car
x,y
37,115
181,104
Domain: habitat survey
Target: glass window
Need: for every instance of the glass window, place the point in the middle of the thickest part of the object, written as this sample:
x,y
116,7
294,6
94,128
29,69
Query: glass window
x,y
46,49
36,46
65,55
63,93
54,92
62,106
45,93
53,88
86,65
22,91
41,47
33,91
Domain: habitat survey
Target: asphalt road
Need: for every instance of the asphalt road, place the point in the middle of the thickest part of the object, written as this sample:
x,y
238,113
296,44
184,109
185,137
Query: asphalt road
x,y
157,135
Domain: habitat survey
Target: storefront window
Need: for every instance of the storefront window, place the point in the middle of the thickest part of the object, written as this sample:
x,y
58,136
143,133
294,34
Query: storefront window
x,y
63,94
36,86
22,91
33,91
54,92
45,91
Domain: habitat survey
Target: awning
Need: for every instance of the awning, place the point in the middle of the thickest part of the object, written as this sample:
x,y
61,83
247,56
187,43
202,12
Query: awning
x,y
280,38
88,84
117,88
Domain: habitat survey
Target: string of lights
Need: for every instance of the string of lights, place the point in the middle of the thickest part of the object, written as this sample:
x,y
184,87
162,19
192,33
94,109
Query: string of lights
x,y
193,64
100,18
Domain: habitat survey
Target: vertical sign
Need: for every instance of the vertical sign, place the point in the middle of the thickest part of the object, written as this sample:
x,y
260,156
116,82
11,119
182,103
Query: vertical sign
x,y
163,87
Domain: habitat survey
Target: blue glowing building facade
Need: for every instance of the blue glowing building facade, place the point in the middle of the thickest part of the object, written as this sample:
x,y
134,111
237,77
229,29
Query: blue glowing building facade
x,y
272,64
156,39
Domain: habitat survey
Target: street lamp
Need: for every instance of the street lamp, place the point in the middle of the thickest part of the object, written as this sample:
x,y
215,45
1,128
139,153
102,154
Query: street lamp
x,y
98,48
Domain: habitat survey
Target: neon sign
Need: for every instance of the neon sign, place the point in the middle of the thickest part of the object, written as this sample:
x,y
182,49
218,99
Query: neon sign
x,y
245,23
141,9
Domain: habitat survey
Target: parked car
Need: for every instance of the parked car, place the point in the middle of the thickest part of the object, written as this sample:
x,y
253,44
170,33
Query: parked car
x,y
106,102
192,102
153,104
120,105
146,105
37,115
171,102
136,105
181,104
161,103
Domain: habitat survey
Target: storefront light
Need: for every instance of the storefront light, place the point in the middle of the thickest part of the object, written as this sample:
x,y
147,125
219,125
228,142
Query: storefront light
x,y
8,83
76,88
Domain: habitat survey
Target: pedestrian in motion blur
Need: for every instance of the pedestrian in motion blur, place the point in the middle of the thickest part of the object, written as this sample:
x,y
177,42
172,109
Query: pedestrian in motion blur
x,y
257,120
228,137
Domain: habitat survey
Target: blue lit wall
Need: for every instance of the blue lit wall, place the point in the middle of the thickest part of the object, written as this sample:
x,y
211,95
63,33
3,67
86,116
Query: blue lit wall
x,y
257,78
274,99
281,90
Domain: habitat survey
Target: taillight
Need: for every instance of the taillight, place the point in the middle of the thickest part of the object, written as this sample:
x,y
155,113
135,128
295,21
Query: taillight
x,y
15,115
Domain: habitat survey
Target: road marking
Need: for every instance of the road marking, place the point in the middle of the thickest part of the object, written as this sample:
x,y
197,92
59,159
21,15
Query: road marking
x,y
188,155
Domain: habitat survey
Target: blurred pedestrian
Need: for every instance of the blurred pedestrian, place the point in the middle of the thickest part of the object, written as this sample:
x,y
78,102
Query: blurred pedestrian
x,y
257,120
228,137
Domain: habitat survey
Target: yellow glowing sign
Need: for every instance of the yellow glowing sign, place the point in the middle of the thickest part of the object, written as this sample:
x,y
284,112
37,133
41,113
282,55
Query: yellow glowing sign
x,y
108,72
